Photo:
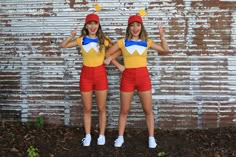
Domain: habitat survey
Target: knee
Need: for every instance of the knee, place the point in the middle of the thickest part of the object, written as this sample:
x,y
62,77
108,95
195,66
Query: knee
x,y
148,112
101,109
87,109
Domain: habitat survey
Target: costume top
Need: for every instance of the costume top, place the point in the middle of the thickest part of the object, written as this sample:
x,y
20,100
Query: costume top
x,y
134,52
92,57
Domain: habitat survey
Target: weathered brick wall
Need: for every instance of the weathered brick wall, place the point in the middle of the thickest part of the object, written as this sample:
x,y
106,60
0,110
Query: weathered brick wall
x,y
193,87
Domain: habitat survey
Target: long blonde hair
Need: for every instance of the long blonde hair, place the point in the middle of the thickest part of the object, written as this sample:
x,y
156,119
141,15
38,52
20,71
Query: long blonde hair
x,y
143,34
101,36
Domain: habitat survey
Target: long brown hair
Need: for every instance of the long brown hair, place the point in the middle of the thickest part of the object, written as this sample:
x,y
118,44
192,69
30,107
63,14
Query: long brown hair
x,y
101,36
143,34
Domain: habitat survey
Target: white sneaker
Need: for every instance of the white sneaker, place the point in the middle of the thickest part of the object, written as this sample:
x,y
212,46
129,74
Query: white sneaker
x,y
119,141
87,140
152,142
101,140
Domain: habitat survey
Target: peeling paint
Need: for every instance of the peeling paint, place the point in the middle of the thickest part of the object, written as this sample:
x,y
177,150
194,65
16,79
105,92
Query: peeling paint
x,y
193,87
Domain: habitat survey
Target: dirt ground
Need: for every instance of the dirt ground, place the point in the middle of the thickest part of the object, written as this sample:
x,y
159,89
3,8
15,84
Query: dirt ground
x,y
19,140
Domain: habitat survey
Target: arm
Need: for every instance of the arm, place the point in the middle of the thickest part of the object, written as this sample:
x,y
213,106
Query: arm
x,y
112,53
162,48
69,41
116,63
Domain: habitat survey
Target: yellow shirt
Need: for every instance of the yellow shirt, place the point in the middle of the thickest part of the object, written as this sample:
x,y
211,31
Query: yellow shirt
x,y
134,55
92,57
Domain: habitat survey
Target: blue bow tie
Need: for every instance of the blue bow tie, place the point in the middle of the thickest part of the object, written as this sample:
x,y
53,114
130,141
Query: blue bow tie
x,y
131,43
87,40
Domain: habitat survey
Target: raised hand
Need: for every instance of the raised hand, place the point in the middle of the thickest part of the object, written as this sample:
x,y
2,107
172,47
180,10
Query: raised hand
x,y
161,30
74,32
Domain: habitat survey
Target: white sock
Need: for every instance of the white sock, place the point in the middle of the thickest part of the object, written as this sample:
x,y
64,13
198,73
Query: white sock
x,y
151,137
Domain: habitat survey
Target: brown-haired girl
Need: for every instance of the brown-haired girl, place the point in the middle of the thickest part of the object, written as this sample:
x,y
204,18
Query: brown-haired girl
x,y
92,43
135,74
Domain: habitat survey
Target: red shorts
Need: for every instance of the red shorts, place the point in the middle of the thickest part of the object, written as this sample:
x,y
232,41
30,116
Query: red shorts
x,y
135,78
93,78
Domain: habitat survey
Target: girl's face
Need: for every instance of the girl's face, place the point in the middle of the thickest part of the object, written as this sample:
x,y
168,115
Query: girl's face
x,y
92,28
135,29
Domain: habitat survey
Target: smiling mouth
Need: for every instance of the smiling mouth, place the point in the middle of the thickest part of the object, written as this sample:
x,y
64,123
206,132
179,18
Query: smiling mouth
x,y
135,32
93,30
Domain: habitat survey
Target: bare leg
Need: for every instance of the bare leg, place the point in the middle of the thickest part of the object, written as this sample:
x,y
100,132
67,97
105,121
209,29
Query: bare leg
x,y
101,97
87,107
126,98
146,100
